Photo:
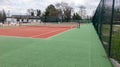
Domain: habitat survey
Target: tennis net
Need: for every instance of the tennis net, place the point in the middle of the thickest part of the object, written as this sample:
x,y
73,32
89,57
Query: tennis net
x,y
51,25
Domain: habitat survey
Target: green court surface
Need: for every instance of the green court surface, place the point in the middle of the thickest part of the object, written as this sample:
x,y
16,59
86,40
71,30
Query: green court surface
x,y
74,48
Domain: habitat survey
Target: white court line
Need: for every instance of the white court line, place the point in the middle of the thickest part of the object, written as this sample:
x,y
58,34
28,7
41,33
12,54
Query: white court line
x,y
61,33
45,33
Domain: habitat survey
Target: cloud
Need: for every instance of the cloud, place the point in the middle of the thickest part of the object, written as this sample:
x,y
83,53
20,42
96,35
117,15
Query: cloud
x,y
20,6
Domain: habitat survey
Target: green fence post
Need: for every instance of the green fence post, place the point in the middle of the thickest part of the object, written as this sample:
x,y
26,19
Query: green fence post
x,y
111,29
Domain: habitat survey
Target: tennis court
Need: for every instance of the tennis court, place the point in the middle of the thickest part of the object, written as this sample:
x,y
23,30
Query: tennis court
x,y
73,48
35,31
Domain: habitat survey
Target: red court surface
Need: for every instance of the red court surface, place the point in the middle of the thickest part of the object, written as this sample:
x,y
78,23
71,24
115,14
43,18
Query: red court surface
x,y
32,32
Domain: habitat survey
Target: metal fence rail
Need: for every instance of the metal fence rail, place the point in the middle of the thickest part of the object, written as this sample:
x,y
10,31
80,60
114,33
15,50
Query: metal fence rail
x,y
106,21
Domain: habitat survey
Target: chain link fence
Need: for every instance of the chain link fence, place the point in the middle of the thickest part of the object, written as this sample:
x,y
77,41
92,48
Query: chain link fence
x,y
106,21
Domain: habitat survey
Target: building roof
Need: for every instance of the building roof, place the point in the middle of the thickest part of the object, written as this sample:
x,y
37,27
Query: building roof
x,y
25,17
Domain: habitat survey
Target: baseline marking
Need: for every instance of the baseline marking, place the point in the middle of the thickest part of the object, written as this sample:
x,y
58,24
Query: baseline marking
x,y
45,33
60,33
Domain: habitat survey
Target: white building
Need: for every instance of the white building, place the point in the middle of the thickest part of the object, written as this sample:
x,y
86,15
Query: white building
x,y
22,19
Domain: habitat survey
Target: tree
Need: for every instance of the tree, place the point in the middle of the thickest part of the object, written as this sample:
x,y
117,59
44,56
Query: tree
x,y
51,13
117,14
50,10
67,13
38,12
65,10
76,16
82,11
31,12
62,6
2,16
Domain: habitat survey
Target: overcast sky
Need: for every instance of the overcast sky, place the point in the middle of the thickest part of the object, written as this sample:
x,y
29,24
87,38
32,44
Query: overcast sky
x,y
21,6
